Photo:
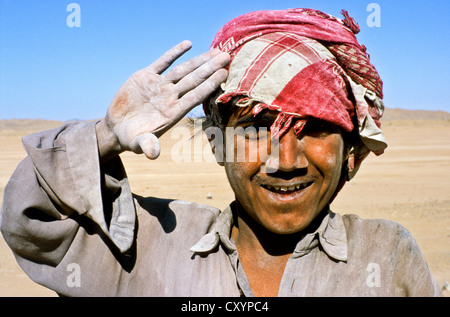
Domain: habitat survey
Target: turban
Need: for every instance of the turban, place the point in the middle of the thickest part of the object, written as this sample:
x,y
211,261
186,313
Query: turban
x,y
304,63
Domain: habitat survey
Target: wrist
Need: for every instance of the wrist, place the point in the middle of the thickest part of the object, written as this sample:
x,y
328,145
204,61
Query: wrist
x,y
108,144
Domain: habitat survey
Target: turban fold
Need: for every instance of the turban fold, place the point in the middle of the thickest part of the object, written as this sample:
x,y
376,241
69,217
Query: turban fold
x,y
304,63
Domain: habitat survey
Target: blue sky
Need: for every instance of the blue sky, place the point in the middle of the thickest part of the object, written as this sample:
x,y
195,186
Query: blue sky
x,y
51,71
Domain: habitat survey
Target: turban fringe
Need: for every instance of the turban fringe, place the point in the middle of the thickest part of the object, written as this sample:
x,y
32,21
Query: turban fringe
x,y
334,50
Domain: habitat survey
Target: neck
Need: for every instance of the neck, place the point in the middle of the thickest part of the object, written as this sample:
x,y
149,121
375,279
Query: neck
x,y
264,254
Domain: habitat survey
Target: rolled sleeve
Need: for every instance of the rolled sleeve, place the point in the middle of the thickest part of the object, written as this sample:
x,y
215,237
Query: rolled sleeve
x,y
58,184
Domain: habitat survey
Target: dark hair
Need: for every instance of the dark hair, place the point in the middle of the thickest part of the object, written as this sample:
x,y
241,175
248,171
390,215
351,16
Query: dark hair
x,y
217,115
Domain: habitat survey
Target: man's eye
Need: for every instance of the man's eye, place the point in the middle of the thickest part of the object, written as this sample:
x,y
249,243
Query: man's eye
x,y
319,128
255,131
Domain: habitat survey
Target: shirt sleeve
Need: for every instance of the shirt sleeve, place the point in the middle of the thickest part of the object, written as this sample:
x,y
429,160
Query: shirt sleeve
x,y
51,195
411,272
385,260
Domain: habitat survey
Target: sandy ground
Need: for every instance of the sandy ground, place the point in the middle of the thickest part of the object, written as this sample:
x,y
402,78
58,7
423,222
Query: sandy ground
x,y
409,184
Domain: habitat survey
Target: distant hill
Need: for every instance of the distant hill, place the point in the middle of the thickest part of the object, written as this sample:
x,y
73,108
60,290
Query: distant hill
x,y
27,126
393,114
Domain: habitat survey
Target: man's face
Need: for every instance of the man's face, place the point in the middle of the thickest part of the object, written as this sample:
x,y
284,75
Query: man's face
x,y
309,168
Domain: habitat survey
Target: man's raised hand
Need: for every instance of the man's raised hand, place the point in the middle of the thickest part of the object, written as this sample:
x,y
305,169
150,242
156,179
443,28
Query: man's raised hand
x,y
150,102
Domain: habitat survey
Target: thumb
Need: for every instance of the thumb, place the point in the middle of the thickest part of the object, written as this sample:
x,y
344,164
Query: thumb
x,y
148,144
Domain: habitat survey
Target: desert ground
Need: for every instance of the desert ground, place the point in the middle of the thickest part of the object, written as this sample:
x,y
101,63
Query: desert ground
x,y
409,184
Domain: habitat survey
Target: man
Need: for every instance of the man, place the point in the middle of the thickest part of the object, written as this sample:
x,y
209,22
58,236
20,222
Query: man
x,y
296,79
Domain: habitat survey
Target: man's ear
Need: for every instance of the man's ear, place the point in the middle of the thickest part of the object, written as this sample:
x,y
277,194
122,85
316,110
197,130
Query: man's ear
x,y
216,141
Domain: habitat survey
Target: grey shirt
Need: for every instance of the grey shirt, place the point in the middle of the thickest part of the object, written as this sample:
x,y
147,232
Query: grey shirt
x,y
75,227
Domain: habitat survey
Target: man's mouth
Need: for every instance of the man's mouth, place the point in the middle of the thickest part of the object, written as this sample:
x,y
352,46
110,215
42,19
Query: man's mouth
x,y
282,189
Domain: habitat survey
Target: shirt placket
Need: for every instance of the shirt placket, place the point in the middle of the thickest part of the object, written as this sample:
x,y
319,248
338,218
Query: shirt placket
x,y
293,283
241,278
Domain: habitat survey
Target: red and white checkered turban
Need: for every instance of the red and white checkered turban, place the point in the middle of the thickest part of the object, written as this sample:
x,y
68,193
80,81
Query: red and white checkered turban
x,y
304,63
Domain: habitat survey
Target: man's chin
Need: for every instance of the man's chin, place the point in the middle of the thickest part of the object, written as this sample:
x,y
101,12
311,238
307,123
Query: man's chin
x,y
286,227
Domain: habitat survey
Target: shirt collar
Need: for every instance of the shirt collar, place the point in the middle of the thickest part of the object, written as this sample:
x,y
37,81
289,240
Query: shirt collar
x,y
221,231
331,235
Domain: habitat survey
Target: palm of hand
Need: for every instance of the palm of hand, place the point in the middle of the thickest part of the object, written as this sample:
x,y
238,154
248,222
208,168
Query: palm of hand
x,y
149,103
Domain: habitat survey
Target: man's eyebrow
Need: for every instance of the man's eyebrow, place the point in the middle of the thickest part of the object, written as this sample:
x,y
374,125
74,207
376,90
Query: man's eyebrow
x,y
266,118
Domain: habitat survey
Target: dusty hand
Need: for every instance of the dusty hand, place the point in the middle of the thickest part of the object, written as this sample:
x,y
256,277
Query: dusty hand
x,y
149,103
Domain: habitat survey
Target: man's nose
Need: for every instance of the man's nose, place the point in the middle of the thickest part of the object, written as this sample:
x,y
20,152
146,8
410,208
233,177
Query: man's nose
x,y
291,152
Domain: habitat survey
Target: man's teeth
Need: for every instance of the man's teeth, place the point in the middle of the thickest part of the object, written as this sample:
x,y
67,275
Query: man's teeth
x,y
287,188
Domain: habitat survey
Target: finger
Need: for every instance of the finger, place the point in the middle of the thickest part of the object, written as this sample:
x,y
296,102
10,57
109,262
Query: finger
x,y
197,95
195,78
146,143
167,59
149,144
178,72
